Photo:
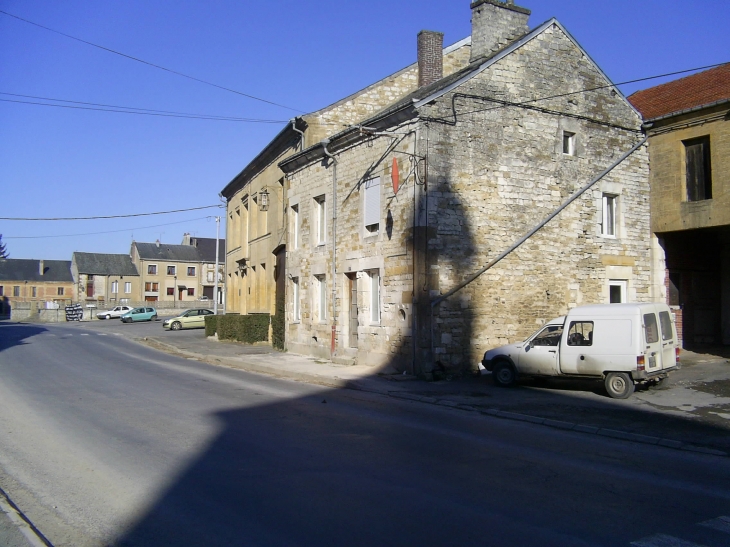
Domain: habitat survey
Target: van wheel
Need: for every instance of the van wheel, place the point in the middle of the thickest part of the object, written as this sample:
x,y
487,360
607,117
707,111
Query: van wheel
x,y
619,385
504,374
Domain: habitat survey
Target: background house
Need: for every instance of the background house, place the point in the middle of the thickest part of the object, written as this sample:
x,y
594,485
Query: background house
x,y
105,279
174,273
210,263
397,214
35,284
688,123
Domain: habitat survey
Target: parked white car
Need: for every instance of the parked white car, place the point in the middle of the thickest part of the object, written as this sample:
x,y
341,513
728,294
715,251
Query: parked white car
x,y
115,313
623,344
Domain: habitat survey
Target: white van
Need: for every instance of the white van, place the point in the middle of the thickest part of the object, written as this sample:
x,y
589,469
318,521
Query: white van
x,y
621,343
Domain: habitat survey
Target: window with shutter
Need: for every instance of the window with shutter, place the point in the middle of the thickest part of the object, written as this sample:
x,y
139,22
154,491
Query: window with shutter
x,y
699,172
371,213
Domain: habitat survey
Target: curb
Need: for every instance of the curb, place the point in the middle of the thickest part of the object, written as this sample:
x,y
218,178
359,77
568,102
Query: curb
x,y
359,385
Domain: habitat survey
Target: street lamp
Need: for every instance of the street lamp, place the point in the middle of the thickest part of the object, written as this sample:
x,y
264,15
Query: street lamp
x,y
174,289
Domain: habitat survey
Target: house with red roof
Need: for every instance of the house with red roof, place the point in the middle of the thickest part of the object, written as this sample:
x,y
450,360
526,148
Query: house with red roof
x,y
688,125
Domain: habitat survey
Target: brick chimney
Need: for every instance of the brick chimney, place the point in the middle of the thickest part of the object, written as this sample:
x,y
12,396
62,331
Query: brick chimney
x,y
494,24
430,57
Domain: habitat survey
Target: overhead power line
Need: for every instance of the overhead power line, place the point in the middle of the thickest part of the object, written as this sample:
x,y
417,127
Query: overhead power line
x,y
108,231
131,110
116,216
149,63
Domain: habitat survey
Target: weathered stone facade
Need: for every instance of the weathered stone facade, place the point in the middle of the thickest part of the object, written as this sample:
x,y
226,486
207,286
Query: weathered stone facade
x,y
253,235
482,159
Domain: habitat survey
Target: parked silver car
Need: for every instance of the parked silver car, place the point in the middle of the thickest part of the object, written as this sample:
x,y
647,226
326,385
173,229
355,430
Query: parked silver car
x,y
115,313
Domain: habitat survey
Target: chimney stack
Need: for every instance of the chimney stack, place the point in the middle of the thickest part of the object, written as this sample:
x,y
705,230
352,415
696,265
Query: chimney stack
x,y
494,24
430,57
40,267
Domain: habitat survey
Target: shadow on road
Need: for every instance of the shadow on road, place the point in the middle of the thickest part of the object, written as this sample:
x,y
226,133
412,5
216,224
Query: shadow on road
x,y
13,334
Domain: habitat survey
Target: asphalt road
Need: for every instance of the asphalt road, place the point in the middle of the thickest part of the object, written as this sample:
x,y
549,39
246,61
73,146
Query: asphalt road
x,y
107,442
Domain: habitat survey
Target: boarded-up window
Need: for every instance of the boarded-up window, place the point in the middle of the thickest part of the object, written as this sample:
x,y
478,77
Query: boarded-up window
x,y
371,213
699,171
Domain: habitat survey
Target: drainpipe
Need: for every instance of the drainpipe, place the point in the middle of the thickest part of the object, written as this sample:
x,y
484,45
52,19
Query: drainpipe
x,y
532,232
294,127
325,142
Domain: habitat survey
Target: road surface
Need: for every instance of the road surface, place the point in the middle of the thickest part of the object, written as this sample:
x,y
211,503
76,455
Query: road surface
x,y
106,442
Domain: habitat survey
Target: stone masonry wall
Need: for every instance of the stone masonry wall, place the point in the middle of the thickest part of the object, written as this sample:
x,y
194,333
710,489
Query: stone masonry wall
x,y
498,171
385,342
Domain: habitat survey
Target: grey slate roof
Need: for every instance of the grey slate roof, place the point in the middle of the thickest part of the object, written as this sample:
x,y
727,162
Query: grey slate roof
x,y
104,264
206,248
171,253
21,269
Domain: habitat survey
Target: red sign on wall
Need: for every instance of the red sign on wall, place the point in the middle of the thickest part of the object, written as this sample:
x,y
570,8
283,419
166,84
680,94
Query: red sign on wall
x,y
395,176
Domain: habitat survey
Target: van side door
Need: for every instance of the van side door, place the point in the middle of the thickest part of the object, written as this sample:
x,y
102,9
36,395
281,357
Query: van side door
x,y
540,354
653,348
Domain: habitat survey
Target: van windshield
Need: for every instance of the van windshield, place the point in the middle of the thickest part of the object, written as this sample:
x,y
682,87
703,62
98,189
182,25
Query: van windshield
x,y
548,336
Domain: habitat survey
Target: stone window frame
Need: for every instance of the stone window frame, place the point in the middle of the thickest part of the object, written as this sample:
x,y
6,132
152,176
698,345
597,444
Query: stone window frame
x,y
320,296
294,208
319,207
623,287
375,296
568,143
296,303
615,190
609,209
572,128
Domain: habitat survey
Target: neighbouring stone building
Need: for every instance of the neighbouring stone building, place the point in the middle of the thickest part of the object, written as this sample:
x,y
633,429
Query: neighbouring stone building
x,y
258,210
176,273
38,284
688,124
105,279
392,219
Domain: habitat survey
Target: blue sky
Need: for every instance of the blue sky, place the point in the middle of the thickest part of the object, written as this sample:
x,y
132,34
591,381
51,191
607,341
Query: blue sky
x,y
62,162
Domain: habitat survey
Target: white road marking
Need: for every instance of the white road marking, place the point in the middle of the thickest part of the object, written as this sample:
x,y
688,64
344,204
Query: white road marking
x,y
84,334
663,540
720,523
101,333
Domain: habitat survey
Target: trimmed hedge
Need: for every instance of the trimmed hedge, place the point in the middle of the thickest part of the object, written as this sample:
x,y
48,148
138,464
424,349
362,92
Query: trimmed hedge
x,y
211,324
277,322
248,329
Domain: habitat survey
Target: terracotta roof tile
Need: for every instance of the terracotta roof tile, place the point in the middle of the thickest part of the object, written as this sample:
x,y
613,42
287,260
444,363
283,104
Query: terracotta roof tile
x,y
699,89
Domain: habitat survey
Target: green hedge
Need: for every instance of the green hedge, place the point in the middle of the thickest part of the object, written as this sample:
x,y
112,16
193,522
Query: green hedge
x,y
242,328
211,324
277,322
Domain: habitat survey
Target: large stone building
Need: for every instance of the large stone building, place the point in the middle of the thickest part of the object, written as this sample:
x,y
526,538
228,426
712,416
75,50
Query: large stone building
x,y
392,220
688,124
257,210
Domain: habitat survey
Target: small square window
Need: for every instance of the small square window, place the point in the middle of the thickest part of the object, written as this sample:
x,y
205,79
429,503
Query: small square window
x,y
60,291
191,271
568,143
191,292
170,291
152,269
171,270
617,291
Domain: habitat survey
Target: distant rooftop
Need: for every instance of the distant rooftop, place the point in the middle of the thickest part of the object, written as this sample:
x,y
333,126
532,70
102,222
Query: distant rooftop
x,y
701,89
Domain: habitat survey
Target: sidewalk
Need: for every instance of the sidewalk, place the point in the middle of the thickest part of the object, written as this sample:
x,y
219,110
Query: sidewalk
x,y
691,411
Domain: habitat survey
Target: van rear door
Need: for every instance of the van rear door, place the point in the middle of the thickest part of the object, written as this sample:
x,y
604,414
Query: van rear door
x,y
669,340
653,349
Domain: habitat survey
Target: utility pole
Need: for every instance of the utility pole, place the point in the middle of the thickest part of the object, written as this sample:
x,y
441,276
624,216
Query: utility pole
x,y
215,286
